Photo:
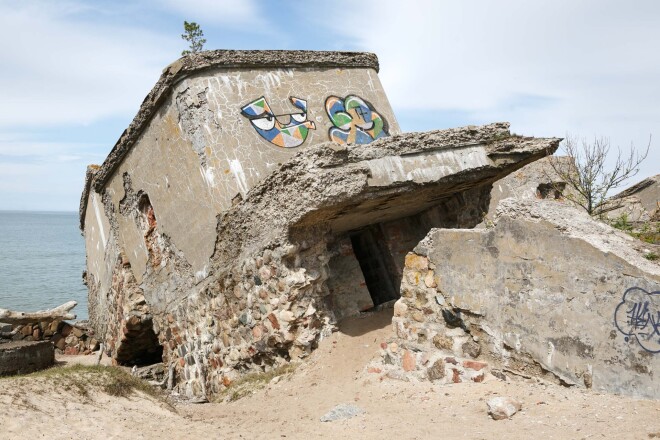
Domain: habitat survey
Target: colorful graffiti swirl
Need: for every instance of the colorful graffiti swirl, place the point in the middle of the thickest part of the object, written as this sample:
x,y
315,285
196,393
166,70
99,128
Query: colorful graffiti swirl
x,y
355,120
283,134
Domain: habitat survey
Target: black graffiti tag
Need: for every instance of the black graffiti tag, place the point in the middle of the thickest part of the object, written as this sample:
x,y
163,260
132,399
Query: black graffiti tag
x,y
638,316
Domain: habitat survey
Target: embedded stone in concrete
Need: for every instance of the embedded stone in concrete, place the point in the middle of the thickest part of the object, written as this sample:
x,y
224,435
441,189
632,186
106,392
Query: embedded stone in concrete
x,y
22,357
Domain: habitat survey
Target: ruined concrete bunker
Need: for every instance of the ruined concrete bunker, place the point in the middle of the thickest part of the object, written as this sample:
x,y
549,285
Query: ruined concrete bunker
x,y
257,198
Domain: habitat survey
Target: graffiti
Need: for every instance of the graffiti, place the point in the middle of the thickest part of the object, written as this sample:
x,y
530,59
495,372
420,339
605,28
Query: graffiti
x,y
355,120
276,130
638,316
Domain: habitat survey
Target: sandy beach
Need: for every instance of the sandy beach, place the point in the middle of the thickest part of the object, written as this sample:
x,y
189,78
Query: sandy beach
x,y
291,406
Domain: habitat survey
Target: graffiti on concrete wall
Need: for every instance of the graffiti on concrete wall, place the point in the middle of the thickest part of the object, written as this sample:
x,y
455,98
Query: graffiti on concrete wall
x,y
638,317
355,120
286,130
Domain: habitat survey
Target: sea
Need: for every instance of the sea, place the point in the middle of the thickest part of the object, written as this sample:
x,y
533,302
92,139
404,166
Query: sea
x,y
42,258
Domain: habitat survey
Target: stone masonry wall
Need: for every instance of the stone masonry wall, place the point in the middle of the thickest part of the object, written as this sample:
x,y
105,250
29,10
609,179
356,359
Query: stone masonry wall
x,y
77,338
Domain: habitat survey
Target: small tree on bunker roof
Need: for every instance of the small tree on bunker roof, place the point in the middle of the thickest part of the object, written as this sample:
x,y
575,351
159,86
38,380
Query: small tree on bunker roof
x,y
591,176
194,35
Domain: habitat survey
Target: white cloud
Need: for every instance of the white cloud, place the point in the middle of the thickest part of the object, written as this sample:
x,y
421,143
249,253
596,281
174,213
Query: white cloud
x,y
225,12
587,67
59,69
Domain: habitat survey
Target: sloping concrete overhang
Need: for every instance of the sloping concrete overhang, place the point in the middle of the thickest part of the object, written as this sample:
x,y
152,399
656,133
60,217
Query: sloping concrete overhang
x,y
338,188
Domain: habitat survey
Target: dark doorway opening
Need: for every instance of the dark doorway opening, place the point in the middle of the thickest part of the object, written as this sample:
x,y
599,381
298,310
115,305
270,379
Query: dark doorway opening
x,y
376,263
139,345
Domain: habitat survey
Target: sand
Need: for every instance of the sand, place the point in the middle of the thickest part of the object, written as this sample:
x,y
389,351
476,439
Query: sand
x,y
334,374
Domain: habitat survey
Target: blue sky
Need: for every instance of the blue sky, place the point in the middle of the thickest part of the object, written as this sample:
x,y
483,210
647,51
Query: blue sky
x,y
74,72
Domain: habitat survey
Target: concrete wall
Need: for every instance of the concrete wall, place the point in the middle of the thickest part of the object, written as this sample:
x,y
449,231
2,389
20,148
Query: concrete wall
x,y
199,152
640,202
536,298
25,357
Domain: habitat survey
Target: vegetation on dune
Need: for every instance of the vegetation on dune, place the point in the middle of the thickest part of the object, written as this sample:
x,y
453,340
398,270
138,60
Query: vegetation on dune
x,y
81,379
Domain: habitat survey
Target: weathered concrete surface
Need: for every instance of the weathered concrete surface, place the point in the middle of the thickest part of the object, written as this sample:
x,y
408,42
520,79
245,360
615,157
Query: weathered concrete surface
x,y
537,180
25,357
190,139
540,293
640,202
227,59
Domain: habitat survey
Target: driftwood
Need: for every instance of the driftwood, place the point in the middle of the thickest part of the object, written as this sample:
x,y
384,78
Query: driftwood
x,y
58,313
101,348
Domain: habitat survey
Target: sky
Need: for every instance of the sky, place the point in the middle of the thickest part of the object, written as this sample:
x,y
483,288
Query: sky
x,y
74,72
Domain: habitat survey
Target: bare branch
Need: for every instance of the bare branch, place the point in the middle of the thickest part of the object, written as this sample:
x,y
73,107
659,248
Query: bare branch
x,y
588,175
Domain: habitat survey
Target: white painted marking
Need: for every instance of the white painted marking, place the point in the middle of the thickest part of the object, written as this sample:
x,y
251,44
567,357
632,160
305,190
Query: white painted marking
x,y
209,176
97,211
237,171
551,352
371,81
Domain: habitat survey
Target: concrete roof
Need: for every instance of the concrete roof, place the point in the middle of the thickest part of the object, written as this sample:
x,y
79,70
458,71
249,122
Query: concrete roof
x,y
194,63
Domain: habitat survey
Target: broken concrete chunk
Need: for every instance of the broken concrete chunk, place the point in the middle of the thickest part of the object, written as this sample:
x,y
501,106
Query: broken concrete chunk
x,y
503,407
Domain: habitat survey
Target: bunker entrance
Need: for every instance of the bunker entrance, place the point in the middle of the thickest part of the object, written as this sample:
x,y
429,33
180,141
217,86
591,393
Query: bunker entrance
x,y
139,346
376,263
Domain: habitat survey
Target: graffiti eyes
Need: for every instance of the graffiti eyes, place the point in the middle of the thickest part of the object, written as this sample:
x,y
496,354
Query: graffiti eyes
x,y
265,123
299,117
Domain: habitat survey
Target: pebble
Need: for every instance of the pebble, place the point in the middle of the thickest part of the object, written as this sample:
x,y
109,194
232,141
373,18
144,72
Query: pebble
x,y
341,412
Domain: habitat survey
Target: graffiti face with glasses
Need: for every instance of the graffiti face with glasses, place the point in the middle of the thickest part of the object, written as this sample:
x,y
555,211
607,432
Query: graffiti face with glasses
x,y
288,130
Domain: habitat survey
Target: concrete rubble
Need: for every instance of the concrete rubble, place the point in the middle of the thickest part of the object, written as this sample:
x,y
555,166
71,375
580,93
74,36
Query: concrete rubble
x,y
503,407
342,411
543,290
639,203
66,338
21,357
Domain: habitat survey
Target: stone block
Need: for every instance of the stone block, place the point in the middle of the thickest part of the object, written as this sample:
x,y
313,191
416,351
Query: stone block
x,y
25,357
58,341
